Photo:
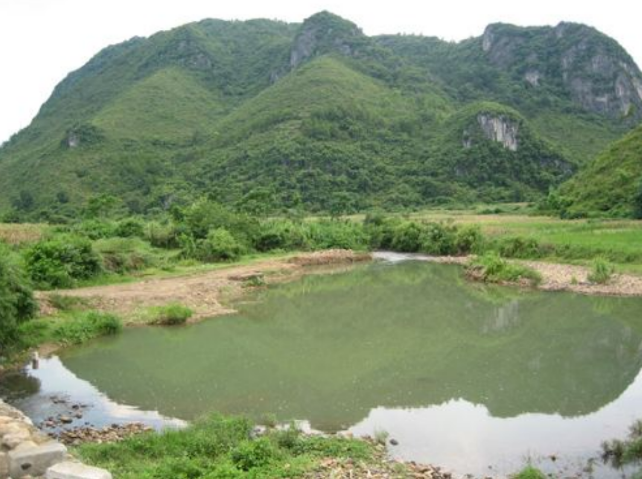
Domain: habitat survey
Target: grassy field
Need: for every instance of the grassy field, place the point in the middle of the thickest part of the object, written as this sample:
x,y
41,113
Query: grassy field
x,y
16,234
579,240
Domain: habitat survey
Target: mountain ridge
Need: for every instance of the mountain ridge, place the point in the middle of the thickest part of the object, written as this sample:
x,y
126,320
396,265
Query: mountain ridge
x,y
211,107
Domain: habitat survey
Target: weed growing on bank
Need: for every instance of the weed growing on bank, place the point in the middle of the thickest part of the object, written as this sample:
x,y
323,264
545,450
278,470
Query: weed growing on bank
x,y
171,315
492,268
221,447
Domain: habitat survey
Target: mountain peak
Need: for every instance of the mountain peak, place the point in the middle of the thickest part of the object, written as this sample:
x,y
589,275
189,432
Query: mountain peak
x,y
325,32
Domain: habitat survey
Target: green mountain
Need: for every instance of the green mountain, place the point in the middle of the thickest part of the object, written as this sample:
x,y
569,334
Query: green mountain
x,y
610,185
314,114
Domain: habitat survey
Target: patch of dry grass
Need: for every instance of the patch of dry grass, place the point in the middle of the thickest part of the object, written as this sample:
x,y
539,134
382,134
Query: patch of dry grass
x,y
15,234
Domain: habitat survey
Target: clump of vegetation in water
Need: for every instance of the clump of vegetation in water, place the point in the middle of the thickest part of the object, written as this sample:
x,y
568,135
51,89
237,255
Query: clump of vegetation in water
x,y
171,315
220,447
601,272
493,268
530,472
621,453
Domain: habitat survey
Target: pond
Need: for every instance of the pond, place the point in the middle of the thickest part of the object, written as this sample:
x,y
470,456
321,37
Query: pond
x,y
474,378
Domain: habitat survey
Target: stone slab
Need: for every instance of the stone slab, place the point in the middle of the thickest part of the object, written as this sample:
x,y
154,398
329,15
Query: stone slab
x,y
36,460
74,470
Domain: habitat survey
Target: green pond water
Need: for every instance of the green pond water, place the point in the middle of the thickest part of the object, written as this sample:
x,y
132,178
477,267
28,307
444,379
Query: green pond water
x,y
474,378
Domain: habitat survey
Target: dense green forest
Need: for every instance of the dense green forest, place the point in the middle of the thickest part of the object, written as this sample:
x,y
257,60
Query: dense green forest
x,y
320,117
611,185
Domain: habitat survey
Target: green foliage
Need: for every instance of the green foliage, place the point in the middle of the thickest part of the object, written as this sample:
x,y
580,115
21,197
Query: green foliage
x,y
171,315
283,235
255,454
601,271
217,108
84,326
61,261
129,228
219,245
123,255
611,185
17,303
493,269
219,447
530,472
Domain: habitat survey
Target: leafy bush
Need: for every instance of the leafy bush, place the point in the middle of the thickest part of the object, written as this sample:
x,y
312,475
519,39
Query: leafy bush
x,y
601,271
17,303
468,239
282,234
95,229
256,453
438,239
162,235
172,314
122,255
492,268
204,216
129,228
326,234
61,261
85,326
220,245
519,247
407,237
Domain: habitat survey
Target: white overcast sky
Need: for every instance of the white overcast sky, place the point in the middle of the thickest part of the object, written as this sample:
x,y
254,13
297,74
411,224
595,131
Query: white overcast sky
x,y
43,40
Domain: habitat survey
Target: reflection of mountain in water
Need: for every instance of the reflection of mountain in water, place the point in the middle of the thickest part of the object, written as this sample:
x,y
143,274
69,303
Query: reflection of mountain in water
x,y
330,348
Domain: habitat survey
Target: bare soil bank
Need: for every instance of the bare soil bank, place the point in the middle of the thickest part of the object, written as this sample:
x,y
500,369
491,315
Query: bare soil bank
x,y
201,292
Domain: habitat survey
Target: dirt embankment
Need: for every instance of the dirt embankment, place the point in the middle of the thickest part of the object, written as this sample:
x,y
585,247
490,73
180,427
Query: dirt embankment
x,y
201,292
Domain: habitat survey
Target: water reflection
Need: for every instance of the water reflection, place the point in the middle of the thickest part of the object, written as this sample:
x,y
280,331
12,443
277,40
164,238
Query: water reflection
x,y
450,368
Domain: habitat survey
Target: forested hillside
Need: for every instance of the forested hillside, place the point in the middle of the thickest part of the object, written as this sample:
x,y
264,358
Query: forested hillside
x,y
318,116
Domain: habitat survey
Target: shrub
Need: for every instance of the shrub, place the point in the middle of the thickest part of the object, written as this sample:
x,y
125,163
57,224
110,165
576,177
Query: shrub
x,y
407,237
85,326
162,235
254,454
518,247
61,261
336,233
438,239
17,303
530,472
172,315
204,216
282,234
492,268
95,229
601,271
468,239
129,228
220,245
122,255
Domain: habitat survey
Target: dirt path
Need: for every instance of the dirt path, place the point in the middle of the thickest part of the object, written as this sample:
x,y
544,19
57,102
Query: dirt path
x,y
201,292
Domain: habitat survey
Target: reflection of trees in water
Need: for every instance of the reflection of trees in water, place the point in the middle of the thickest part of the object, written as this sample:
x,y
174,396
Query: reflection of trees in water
x,y
504,317
18,384
330,348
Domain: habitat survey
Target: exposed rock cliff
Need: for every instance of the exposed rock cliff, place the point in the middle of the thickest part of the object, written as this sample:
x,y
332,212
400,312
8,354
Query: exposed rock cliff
x,y
588,66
